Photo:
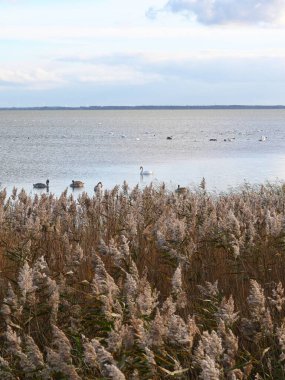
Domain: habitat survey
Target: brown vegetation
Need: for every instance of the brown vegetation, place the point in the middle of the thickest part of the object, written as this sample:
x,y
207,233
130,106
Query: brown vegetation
x,y
143,284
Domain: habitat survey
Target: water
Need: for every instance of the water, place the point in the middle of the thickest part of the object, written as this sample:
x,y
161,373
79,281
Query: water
x,y
110,146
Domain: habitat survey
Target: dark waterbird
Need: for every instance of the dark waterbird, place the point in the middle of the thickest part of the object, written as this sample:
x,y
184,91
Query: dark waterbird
x,y
40,185
181,190
98,186
76,184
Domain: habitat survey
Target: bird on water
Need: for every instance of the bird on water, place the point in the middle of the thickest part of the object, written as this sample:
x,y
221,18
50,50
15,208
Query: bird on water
x,y
181,190
40,185
76,184
145,172
98,186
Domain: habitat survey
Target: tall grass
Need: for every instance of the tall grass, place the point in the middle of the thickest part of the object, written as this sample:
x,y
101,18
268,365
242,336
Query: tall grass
x,y
143,284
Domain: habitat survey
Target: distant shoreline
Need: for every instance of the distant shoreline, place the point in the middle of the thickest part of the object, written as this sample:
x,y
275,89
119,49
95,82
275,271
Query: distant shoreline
x,y
118,108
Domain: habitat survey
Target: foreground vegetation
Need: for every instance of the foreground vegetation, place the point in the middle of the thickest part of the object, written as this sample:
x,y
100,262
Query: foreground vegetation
x,y
143,284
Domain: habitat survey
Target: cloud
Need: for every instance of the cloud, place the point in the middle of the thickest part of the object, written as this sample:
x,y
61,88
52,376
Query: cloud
x,y
116,75
68,71
208,67
211,12
146,70
29,78
189,78
122,59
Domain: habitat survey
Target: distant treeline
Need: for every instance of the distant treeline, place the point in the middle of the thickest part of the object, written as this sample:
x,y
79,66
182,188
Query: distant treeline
x,y
91,108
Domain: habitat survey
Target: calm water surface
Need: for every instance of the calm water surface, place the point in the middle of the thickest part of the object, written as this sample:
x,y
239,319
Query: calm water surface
x,y
110,146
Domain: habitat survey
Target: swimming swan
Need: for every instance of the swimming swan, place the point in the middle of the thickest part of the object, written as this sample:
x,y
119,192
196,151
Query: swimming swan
x,y
145,172
41,185
76,184
98,186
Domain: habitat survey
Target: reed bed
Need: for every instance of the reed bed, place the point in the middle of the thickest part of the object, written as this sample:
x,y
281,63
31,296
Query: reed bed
x,y
143,284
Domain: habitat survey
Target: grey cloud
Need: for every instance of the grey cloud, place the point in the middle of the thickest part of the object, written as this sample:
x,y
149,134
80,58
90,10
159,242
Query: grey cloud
x,y
225,11
151,13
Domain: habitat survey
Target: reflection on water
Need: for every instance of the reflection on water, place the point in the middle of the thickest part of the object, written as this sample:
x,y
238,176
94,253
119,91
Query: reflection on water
x,y
110,146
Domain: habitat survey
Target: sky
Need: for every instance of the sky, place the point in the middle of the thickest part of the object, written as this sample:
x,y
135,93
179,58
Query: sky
x,y
143,52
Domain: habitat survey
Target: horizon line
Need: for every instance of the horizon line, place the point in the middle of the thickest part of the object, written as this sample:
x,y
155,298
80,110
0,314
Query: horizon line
x,y
146,107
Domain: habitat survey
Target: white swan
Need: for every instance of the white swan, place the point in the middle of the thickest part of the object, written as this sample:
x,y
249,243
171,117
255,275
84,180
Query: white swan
x,y
41,185
145,172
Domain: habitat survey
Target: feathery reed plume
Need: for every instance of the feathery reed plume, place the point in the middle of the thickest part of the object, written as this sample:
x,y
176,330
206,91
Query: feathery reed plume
x,y
59,358
226,312
33,353
31,362
157,331
177,288
104,286
230,345
25,282
90,355
106,362
11,307
256,300
113,372
13,340
210,290
116,336
277,300
147,299
5,370
281,340
210,370
210,345
178,333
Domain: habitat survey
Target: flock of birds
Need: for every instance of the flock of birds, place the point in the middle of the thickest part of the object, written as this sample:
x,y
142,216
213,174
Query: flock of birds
x,y
74,185
79,184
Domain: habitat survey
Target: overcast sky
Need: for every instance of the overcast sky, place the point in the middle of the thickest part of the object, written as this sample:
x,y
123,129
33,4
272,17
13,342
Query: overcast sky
x,y
141,52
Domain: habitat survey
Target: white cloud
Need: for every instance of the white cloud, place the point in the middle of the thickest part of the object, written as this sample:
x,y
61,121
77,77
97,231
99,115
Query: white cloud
x,y
64,73
30,78
226,11
206,78
207,67
146,72
75,34
140,59
115,74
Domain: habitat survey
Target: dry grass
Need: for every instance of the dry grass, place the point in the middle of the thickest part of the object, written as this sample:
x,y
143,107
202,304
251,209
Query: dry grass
x,y
143,284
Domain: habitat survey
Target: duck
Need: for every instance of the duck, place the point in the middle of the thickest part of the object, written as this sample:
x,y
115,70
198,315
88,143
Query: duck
x,y
181,190
98,186
145,172
76,184
40,185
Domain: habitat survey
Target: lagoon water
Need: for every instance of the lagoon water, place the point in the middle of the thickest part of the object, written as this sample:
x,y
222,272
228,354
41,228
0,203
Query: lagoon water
x,y
110,146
